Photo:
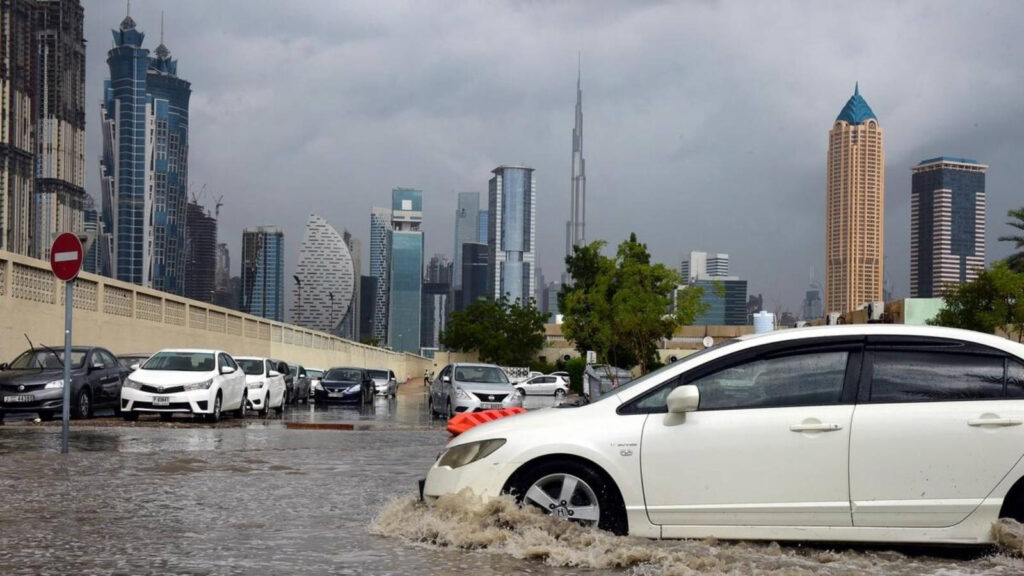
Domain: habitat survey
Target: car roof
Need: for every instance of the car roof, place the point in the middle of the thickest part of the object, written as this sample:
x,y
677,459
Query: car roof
x,y
853,330
260,358
476,364
345,368
192,351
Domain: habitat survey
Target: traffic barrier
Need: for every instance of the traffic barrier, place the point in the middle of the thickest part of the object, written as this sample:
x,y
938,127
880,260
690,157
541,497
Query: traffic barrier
x,y
462,422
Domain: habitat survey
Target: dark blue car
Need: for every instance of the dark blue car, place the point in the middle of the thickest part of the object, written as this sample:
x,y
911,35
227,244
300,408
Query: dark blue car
x,y
349,385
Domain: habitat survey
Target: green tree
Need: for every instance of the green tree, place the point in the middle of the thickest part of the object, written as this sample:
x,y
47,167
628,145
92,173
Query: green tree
x,y
993,300
621,307
1016,260
503,333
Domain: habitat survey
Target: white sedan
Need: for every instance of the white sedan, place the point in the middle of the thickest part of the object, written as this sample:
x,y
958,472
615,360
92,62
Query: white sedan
x,y
264,383
549,385
854,433
199,382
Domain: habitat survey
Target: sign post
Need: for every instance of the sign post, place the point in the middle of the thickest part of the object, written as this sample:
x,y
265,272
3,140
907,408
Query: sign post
x,y
66,257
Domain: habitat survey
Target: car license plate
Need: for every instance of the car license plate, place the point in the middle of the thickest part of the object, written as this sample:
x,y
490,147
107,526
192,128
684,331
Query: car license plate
x,y
21,398
335,394
490,406
161,400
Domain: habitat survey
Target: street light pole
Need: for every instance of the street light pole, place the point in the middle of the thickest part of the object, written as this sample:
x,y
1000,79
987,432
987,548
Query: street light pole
x,y
330,318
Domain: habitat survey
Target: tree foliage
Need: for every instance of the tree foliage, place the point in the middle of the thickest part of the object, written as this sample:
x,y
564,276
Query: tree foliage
x,y
621,307
503,333
1016,260
993,300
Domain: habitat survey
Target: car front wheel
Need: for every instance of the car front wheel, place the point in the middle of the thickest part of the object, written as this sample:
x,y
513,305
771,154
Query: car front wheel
x,y
130,416
240,412
214,416
83,404
572,491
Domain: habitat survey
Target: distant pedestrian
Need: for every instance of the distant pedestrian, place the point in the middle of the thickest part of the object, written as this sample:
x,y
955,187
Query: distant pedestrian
x,y
426,377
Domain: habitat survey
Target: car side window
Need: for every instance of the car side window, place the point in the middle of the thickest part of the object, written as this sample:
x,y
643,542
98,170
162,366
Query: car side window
x,y
391,375
1014,379
814,379
99,360
912,376
108,359
226,360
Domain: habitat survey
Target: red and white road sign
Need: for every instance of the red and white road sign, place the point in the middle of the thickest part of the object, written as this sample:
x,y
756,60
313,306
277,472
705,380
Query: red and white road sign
x,y
66,257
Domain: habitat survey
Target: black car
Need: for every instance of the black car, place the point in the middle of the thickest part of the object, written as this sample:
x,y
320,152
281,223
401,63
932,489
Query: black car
x,y
289,379
349,385
300,384
34,382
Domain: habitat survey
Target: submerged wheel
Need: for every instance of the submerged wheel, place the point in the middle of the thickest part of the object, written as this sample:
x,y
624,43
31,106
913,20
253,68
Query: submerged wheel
x,y
214,416
573,491
266,406
240,413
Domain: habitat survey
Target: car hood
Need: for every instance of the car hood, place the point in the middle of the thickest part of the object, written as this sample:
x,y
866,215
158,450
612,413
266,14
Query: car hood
x,y
170,376
338,383
486,388
381,380
33,376
512,425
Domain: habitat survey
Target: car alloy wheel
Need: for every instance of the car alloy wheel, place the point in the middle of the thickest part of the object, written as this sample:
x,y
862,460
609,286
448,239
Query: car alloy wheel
x,y
559,393
83,405
214,416
266,406
240,413
565,496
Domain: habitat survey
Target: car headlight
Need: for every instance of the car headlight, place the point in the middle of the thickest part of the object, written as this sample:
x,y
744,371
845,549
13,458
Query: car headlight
x,y
469,453
460,393
55,384
129,383
356,388
515,395
318,387
204,385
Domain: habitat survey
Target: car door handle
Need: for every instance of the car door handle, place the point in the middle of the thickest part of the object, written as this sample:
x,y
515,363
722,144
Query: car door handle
x,y
815,427
995,422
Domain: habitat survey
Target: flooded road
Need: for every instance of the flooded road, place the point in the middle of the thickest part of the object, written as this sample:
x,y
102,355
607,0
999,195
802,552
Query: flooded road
x,y
258,498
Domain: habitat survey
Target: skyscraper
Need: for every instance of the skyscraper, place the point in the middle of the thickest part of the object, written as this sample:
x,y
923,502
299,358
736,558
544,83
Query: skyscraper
x,y
405,275
467,222
511,233
726,298
947,224
380,227
144,168
474,274
855,204
201,247
703,264
482,226
42,133
350,325
436,304
262,290
575,232
326,278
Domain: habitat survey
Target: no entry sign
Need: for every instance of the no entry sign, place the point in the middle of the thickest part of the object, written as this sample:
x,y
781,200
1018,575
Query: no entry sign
x,y
66,257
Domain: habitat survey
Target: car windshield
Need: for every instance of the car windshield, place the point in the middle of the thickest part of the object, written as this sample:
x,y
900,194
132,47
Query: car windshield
x,y
251,367
651,375
481,374
181,362
314,373
343,374
379,374
45,359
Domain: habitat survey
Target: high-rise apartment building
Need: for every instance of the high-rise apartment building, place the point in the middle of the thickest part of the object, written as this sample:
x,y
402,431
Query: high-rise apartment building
x,y
325,278
474,274
467,223
726,300
405,275
201,248
947,224
575,228
42,123
380,228
482,226
511,233
262,282
703,264
368,297
854,208
144,168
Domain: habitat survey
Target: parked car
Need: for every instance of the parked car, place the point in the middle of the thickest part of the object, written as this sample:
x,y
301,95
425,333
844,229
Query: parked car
x,y
867,432
345,385
315,374
264,383
385,382
300,384
34,382
466,387
544,386
130,361
289,380
200,382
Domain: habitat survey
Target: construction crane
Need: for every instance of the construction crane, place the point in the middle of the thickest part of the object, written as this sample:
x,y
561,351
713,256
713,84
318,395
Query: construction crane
x,y
216,209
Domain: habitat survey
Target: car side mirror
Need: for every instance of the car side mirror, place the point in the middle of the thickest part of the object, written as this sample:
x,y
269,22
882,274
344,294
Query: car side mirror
x,y
683,399
134,367
273,373
445,379
3,366
95,366
226,370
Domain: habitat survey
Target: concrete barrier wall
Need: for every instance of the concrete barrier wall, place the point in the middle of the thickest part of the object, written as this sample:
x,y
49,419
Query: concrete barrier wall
x,y
130,319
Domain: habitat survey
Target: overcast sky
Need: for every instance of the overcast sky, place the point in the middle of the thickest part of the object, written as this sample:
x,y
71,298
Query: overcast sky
x,y
705,123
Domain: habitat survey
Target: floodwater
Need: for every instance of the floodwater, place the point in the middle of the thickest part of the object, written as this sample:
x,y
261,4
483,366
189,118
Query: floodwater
x,y
258,498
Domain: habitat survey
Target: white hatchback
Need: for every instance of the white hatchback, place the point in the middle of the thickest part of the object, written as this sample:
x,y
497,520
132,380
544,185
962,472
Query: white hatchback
x,y
854,433
264,383
199,382
544,385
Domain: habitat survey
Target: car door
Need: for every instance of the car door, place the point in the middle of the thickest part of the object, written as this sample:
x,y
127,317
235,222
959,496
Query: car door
x,y
110,378
932,433
274,383
768,444
437,388
232,386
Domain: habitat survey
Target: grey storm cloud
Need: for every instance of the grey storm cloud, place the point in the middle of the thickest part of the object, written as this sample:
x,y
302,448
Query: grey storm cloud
x,y
705,122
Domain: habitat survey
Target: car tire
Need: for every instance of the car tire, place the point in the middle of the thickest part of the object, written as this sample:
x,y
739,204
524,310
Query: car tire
x,y
82,408
449,413
522,392
279,409
1013,504
540,485
130,416
266,406
214,417
45,416
240,412
559,394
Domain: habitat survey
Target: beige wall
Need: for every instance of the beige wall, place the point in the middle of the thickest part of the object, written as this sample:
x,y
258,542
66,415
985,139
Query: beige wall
x,y
129,319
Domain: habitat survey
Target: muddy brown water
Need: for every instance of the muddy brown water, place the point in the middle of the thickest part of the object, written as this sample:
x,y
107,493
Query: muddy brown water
x,y
261,499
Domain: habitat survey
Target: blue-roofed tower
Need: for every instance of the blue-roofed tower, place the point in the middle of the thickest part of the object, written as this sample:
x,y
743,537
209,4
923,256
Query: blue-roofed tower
x,y
854,212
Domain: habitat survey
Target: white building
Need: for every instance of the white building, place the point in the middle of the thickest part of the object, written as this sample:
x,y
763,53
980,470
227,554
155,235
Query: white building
x,y
511,234
326,276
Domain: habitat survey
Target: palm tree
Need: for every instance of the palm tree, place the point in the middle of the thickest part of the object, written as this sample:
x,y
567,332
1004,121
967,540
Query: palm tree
x,y
1016,260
